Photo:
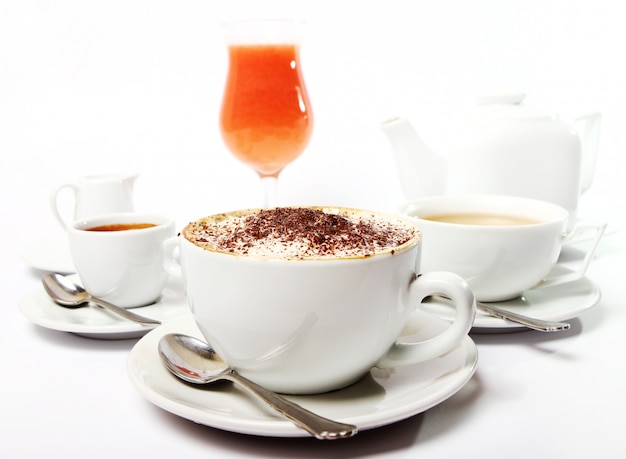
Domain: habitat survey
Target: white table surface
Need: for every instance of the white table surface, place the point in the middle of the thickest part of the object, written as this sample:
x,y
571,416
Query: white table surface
x,y
91,87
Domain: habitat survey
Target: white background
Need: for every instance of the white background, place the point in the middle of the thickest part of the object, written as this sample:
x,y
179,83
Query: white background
x,y
97,86
91,86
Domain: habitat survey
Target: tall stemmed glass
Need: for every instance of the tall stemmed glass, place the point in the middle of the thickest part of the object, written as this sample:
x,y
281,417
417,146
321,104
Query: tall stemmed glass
x,y
266,119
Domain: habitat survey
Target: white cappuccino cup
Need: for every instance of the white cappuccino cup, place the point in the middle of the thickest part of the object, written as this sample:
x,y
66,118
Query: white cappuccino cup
x,y
301,314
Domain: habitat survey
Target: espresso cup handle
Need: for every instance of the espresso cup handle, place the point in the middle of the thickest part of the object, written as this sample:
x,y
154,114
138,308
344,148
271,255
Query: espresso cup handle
x,y
572,237
54,204
458,291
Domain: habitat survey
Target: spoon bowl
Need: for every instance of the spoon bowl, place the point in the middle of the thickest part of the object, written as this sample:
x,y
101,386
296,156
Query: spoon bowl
x,y
67,294
194,361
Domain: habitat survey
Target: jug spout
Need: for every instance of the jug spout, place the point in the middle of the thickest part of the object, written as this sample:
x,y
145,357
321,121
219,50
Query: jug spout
x,y
129,180
588,128
420,170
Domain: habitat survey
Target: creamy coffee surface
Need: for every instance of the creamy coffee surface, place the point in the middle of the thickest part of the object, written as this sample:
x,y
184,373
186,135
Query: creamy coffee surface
x,y
301,233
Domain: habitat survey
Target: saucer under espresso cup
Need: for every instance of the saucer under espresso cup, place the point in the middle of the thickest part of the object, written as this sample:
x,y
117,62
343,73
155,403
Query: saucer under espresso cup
x,y
305,300
501,245
98,323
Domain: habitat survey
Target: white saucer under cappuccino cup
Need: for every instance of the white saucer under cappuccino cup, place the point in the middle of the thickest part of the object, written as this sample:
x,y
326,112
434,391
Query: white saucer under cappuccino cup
x,y
501,245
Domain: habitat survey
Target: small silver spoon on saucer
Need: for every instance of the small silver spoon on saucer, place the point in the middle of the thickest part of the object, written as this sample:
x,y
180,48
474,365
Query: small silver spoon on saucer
x,y
194,361
70,295
530,322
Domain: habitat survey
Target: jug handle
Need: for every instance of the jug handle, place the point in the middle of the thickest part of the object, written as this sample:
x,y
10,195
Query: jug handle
x,y
588,128
54,204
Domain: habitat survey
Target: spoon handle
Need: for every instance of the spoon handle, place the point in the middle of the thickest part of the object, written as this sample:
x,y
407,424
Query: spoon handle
x,y
318,426
125,313
530,322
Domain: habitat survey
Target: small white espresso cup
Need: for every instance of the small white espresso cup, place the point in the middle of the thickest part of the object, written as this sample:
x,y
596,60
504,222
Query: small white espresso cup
x,y
122,266
312,324
501,245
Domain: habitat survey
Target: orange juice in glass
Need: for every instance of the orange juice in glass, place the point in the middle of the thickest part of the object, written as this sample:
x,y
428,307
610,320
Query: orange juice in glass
x,y
266,119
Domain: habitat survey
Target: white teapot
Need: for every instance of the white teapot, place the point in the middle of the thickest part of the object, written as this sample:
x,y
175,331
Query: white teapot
x,y
502,147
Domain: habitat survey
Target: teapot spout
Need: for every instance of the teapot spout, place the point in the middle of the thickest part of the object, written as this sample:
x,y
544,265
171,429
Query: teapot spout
x,y
421,171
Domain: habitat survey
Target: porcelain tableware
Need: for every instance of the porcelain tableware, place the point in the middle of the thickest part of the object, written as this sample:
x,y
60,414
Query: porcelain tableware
x,y
316,324
499,146
124,267
94,195
193,360
563,302
50,254
380,398
70,295
98,323
500,260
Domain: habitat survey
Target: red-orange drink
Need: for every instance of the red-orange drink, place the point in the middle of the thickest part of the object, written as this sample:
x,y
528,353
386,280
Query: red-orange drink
x,y
266,118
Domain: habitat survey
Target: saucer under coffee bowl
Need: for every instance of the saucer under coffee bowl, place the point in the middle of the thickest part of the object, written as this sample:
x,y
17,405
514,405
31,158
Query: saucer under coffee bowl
x,y
51,255
555,303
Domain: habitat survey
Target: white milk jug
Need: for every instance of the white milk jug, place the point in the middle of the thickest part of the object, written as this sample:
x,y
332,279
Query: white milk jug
x,y
96,195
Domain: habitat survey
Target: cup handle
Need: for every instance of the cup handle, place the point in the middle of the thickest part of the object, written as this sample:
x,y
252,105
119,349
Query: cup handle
x,y
54,204
572,237
171,252
445,284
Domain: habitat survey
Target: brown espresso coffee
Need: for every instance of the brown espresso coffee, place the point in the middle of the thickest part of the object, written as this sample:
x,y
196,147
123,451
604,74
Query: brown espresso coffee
x,y
302,233
481,219
121,227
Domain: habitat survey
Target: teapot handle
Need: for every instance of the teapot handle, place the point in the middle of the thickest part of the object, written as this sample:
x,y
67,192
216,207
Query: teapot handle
x,y
588,128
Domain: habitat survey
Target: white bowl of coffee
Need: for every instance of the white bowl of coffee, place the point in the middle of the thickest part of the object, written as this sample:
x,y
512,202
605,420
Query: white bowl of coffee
x,y
501,245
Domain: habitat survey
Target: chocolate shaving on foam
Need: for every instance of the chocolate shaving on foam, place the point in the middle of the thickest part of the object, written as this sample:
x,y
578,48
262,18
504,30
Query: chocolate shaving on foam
x,y
300,232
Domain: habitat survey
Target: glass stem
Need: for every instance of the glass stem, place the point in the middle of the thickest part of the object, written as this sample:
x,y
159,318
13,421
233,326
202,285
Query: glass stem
x,y
269,183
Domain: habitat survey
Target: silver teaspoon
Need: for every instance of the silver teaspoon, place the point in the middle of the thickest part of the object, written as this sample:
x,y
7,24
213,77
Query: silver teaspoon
x,y
530,322
70,295
194,361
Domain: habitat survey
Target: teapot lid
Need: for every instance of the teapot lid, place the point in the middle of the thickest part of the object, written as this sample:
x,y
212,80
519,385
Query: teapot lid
x,y
507,105
500,98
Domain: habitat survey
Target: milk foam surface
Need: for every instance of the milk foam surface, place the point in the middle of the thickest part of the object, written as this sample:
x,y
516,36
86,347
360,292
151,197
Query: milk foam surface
x,y
301,232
